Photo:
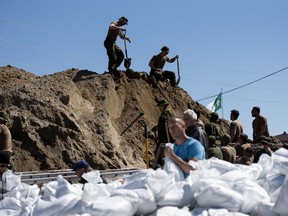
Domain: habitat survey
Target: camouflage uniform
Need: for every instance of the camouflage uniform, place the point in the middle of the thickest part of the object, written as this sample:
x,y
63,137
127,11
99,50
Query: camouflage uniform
x,y
166,114
214,151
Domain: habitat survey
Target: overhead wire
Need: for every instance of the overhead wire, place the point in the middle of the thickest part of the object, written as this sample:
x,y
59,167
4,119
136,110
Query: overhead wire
x,y
242,86
44,30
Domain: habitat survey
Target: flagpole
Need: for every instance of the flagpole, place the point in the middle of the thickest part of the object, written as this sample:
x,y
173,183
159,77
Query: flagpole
x,y
222,105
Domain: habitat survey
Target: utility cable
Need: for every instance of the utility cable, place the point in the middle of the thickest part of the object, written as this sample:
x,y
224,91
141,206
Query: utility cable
x,y
234,89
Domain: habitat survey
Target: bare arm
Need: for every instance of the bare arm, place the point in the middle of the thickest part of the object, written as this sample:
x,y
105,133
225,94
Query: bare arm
x,y
183,165
114,26
172,59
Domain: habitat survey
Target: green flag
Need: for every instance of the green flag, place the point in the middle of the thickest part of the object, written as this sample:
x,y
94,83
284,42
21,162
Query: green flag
x,y
218,102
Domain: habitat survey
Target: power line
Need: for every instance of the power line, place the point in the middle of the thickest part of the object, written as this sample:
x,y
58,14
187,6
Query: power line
x,y
37,48
234,89
44,30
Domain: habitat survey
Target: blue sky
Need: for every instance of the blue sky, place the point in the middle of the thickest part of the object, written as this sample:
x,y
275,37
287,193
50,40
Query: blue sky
x,y
222,44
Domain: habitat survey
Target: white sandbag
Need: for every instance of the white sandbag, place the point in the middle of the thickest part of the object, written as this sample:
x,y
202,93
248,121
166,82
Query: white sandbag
x,y
266,162
221,197
64,188
115,205
147,203
160,182
221,165
179,195
91,191
195,175
253,195
280,161
49,190
58,207
93,177
10,205
201,184
125,193
171,167
275,180
28,196
135,184
7,182
171,211
252,172
233,175
282,201
201,211
145,199
141,176
266,209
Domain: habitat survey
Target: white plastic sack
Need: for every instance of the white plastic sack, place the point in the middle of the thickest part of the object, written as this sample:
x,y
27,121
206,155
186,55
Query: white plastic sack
x,y
253,195
64,188
160,182
221,165
91,191
49,191
93,177
171,211
171,167
280,161
266,162
28,196
10,206
221,197
282,201
115,205
265,209
147,203
58,207
179,195
252,171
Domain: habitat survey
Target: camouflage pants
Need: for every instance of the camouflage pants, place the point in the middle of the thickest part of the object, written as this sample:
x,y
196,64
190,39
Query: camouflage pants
x,y
114,53
170,75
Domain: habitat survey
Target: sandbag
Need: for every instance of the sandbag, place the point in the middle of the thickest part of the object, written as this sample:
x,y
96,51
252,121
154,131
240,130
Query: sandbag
x,y
115,205
64,188
91,191
171,167
10,206
221,197
49,191
147,202
179,195
160,182
171,211
253,195
93,177
282,201
58,207
266,209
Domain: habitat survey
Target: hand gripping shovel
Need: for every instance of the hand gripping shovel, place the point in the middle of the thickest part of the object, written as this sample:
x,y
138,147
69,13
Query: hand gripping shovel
x,y
178,80
127,61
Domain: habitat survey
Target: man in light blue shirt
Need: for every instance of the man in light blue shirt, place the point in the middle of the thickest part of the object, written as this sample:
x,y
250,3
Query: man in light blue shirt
x,y
185,148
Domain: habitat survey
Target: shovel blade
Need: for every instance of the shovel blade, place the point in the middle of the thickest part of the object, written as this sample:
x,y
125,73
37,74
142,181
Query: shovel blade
x,y
127,63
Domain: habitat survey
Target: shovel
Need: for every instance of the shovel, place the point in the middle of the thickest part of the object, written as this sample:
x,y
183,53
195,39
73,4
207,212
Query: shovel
x,y
127,61
178,80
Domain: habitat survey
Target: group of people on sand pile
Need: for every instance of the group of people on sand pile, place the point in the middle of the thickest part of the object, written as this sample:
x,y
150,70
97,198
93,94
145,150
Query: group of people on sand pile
x,y
194,140
116,55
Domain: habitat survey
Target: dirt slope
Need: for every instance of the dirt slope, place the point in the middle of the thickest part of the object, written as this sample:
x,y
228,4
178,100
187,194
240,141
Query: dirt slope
x,y
76,114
